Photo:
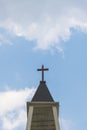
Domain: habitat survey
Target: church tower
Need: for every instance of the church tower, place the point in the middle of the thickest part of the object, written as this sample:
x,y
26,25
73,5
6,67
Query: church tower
x,y
42,111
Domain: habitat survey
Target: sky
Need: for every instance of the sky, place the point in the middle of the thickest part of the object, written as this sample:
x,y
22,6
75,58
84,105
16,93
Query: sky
x,y
52,33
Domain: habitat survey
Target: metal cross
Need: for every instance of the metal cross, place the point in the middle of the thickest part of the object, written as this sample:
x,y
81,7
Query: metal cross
x,y
43,69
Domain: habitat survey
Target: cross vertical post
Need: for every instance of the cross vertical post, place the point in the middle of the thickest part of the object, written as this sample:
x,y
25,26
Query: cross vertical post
x,y
43,69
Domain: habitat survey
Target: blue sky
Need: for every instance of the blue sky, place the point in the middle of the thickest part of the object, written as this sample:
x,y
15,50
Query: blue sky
x,y
44,32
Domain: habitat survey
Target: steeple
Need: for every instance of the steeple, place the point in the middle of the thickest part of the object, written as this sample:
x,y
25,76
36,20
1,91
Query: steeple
x,y
42,94
42,111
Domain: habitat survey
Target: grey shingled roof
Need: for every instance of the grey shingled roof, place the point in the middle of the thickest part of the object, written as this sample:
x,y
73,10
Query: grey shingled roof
x,y
42,94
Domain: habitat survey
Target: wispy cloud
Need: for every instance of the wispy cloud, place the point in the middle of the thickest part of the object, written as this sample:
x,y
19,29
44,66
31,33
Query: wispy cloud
x,y
4,40
65,124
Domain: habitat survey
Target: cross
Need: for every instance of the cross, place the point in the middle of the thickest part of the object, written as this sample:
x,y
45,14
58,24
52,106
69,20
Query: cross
x,y
43,69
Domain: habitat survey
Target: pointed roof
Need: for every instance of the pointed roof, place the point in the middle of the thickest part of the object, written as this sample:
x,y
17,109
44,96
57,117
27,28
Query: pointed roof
x,y
42,94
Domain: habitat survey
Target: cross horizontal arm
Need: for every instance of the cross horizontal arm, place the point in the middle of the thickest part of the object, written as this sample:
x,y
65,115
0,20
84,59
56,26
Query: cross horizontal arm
x,y
42,69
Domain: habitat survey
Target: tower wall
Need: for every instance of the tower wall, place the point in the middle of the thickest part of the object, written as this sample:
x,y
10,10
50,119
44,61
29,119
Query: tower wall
x,y
42,116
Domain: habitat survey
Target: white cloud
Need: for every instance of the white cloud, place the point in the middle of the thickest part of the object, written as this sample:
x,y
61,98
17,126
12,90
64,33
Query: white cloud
x,y
10,122
4,40
13,108
15,99
48,22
